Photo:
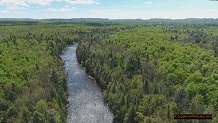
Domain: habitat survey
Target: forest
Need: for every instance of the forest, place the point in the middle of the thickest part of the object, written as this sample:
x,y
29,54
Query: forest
x,y
148,70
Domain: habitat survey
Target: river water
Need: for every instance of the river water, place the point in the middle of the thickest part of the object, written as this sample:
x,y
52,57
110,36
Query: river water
x,y
85,99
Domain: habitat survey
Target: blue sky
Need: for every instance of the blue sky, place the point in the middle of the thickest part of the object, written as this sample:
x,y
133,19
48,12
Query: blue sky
x,y
112,9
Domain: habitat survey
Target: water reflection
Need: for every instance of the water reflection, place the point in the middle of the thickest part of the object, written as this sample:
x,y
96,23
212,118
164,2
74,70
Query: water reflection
x,y
86,103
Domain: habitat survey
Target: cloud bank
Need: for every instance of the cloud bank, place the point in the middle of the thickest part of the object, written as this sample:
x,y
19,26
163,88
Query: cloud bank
x,y
148,3
26,3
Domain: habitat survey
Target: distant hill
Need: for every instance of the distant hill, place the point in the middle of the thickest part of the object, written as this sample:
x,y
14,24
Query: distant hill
x,y
158,21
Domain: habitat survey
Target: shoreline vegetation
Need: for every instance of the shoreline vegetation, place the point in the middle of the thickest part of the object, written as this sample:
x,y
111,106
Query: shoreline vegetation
x,y
148,70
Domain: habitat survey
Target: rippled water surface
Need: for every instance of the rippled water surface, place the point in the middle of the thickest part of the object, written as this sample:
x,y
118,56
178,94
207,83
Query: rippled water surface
x,y
86,103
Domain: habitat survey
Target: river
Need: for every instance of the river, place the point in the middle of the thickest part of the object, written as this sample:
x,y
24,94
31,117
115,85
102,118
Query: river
x,y
85,99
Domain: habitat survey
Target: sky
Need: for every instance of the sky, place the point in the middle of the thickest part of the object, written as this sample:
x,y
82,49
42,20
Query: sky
x,y
111,9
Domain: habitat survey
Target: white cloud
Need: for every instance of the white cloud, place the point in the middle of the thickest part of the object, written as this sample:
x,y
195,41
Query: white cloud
x,y
4,12
64,9
26,3
66,6
22,13
52,9
40,2
14,8
82,2
180,14
148,3
11,3
60,10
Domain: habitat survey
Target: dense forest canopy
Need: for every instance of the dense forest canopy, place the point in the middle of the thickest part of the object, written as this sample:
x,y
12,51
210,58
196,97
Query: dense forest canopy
x,y
32,80
148,69
150,72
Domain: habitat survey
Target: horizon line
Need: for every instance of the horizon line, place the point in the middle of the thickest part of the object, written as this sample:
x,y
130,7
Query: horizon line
x,y
106,18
